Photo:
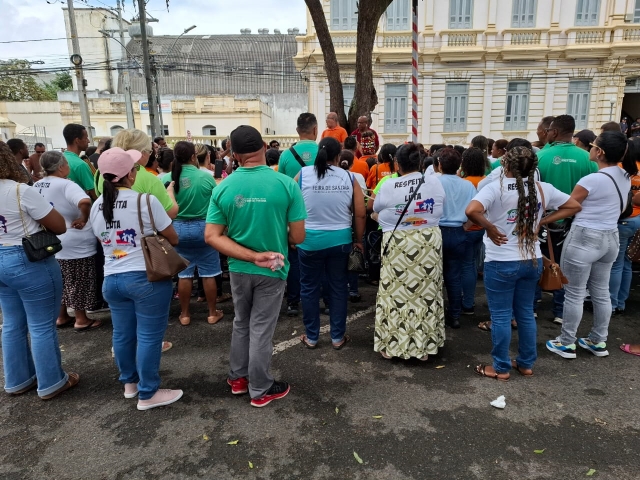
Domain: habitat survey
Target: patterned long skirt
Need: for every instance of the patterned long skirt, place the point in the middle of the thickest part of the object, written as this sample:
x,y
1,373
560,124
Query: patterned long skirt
x,y
79,283
409,305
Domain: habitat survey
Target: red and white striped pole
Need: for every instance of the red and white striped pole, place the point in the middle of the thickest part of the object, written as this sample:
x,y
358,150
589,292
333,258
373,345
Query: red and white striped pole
x,y
414,74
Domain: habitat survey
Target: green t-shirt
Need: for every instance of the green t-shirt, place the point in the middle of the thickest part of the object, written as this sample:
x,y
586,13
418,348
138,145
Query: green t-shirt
x,y
306,149
194,194
79,172
495,164
563,165
257,204
146,182
381,182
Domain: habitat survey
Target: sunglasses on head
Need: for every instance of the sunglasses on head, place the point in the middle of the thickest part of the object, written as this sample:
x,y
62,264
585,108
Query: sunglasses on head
x,y
596,146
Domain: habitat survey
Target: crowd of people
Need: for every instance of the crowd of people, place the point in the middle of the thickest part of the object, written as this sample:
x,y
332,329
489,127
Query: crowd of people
x,y
308,224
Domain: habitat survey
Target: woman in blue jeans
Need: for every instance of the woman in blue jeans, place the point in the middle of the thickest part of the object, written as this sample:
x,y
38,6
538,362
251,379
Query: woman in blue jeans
x,y
593,244
510,211
329,193
193,188
620,281
30,292
139,308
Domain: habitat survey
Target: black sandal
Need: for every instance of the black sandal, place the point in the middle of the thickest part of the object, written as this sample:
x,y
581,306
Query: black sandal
x,y
481,370
305,341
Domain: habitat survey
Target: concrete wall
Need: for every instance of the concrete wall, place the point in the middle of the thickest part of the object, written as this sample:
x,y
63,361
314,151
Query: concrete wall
x,y
40,114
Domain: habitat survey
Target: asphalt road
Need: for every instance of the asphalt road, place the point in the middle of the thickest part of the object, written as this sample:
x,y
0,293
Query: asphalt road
x,y
404,420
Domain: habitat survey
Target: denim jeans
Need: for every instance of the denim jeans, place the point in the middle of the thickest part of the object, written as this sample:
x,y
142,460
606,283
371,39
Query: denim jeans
x,y
558,239
510,288
140,315
558,301
30,297
353,283
331,262
587,257
472,251
453,239
620,281
293,279
193,247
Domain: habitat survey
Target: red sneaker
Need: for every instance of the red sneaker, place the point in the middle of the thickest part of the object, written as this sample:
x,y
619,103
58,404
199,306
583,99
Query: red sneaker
x,y
239,386
277,391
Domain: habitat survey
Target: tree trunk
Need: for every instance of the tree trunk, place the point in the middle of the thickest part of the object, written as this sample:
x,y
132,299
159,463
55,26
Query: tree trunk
x,y
331,66
365,97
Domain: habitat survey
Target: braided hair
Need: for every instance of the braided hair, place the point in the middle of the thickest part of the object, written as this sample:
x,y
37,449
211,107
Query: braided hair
x,y
521,162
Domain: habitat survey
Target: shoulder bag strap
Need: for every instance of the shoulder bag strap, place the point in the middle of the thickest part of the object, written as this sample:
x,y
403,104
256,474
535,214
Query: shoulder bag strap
x,y
153,223
617,189
140,215
549,244
24,225
297,157
404,211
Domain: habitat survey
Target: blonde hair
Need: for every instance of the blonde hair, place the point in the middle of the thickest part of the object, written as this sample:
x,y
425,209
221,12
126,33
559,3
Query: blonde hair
x,y
132,139
201,153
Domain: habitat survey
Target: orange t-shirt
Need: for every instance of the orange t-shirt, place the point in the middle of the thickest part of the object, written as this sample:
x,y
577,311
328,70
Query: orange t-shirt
x,y
338,133
376,173
151,170
475,181
361,167
635,188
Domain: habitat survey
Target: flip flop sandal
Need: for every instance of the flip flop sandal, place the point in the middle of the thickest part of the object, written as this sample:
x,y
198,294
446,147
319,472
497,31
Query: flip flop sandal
x,y
65,324
525,372
337,346
305,341
485,326
166,346
626,348
514,325
481,370
91,326
215,318
385,356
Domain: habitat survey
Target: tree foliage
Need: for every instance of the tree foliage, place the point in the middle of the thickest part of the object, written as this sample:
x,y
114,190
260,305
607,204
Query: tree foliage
x,y
18,83
61,83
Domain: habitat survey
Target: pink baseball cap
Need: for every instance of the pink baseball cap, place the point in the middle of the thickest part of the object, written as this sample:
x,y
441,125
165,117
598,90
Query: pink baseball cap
x,y
118,162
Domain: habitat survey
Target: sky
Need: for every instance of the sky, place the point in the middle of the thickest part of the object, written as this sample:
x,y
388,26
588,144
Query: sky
x,y
43,19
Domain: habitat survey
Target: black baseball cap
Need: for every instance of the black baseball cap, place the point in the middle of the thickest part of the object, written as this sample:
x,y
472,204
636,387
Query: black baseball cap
x,y
246,139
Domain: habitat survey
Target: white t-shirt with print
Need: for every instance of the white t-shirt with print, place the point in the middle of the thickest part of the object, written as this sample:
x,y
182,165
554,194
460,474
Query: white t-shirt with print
x,y
495,175
121,238
501,205
425,209
34,207
65,195
328,199
601,208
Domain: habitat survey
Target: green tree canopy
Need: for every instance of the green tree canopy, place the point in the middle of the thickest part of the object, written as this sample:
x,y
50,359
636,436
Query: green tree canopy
x,y
18,82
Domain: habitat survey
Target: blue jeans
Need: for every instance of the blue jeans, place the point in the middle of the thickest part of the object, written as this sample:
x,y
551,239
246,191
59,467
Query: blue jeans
x,y
293,279
140,314
472,251
620,281
453,239
558,300
193,247
510,287
353,283
30,297
331,262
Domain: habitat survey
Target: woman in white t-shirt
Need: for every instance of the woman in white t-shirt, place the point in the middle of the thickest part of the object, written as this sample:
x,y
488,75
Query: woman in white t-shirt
x,y
331,202
409,305
593,243
30,292
139,308
510,211
78,243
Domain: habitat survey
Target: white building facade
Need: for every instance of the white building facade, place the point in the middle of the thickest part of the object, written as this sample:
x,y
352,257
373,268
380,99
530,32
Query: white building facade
x,y
490,67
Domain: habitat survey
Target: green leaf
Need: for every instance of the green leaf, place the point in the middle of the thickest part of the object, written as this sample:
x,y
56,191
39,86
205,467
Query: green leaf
x,y
357,457
250,465
591,472
234,442
377,417
539,452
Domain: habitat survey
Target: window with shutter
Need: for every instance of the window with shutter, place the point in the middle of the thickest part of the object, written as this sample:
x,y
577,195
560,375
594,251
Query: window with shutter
x,y
455,106
398,15
344,15
517,111
578,102
636,12
395,108
348,90
461,14
587,12
524,14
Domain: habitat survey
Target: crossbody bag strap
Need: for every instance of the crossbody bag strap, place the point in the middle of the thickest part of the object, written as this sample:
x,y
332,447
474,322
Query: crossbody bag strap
x,y
404,211
617,189
24,225
153,223
140,215
297,157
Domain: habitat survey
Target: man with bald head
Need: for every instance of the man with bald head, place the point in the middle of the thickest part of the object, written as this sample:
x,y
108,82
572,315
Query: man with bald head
x,y
367,138
334,130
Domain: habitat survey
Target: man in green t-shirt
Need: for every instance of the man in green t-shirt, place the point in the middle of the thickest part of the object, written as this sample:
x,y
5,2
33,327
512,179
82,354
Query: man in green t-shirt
x,y
306,149
256,205
77,139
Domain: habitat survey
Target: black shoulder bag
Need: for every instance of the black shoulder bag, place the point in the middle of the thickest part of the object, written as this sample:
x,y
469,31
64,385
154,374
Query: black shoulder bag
x,y
404,211
624,211
39,245
297,157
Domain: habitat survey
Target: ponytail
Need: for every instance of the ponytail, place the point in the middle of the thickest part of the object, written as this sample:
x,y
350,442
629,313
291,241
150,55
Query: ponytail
x,y
328,150
183,153
631,158
109,196
386,155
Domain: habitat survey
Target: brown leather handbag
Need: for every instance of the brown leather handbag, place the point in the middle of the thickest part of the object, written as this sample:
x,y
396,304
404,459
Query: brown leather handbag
x,y
552,277
161,259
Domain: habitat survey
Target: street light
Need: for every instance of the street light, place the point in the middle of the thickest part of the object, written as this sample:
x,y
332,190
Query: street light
x,y
612,101
186,30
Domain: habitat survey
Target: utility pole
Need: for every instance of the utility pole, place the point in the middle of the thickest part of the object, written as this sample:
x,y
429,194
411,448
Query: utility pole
x,y
126,80
76,60
153,107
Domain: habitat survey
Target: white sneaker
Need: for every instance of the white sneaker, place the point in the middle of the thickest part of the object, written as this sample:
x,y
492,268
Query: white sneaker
x,y
160,399
130,390
557,321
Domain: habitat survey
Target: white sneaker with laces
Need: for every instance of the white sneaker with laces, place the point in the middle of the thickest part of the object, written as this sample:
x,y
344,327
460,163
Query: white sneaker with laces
x,y
160,399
